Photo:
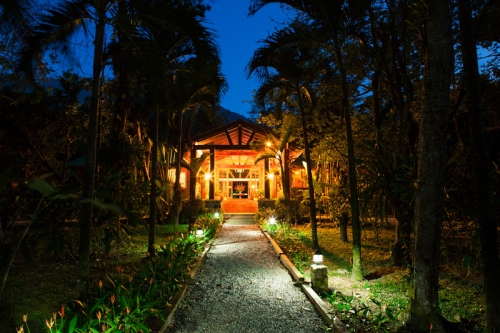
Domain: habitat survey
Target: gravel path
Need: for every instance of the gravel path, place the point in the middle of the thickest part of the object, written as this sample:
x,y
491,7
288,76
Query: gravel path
x,y
242,287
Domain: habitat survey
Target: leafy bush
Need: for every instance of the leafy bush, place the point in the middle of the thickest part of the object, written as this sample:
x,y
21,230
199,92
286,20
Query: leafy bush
x,y
209,224
127,301
357,315
191,209
263,216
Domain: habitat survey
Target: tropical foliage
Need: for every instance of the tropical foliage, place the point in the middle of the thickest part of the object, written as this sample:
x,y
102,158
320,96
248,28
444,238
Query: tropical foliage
x,y
353,85
376,95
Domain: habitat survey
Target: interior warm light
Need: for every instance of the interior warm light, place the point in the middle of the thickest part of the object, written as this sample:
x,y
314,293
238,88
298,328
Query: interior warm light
x,y
199,232
272,221
208,176
270,176
317,257
304,164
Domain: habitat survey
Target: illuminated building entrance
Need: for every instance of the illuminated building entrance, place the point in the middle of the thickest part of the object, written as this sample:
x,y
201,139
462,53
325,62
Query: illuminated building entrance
x,y
227,168
239,183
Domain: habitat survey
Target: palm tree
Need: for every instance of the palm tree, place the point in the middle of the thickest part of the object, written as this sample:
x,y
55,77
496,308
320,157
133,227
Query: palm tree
x,y
287,75
55,28
91,17
278,149
203,87
331,23
15,20
183,68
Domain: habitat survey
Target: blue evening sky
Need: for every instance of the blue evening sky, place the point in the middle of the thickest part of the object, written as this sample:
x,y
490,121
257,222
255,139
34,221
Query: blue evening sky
x,y
238,37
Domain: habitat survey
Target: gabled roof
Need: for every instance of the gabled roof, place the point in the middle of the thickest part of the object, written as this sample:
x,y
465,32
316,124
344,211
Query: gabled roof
x,y
236,135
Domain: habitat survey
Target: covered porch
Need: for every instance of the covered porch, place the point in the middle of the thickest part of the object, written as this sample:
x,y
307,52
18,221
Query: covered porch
x,y
225,168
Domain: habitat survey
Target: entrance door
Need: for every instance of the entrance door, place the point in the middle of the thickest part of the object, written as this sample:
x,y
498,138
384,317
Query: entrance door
x,y
239,183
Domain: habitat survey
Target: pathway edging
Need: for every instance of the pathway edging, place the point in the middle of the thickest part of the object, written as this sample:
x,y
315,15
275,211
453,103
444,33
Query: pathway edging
x,y
179,295
323,309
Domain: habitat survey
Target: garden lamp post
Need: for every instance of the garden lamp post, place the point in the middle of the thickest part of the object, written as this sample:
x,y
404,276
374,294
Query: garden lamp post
x,y
199,232
317,257
319,272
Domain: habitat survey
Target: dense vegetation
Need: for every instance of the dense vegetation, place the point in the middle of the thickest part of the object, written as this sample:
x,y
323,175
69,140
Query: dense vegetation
x,y
389,106
386,100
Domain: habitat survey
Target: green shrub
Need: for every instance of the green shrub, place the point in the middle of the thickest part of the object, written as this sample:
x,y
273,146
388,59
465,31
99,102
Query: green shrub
x,y
263,216
191,209
126,301
209,224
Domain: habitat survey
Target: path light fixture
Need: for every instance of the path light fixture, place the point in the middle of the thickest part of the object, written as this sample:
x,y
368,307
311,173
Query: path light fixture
x,y
216,215
317,257
199,232
272,221
319,273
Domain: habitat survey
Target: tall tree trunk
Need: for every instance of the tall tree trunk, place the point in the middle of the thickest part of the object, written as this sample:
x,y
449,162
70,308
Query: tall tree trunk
x,y
122,72
312,201
424,310
90,163
285,179
400,252
357,273
488,233
173,214
154,190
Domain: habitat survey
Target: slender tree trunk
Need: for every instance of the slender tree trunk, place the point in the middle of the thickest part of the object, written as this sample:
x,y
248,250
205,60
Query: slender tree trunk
x,y
66,157
357,273
424,310
173,214
400,254
154,190
312,201
285,179
122,73
488,233
344,221
90,163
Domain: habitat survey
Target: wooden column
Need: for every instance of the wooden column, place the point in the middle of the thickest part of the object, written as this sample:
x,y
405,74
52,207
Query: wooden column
x,y
288,174
267,189
211,193
192,178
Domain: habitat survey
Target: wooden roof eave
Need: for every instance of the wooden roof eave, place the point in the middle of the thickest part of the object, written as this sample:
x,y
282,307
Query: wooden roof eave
x,y
227,127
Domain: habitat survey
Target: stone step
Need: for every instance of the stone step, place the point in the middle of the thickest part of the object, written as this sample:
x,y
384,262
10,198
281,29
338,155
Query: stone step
x,y
240,206
239,219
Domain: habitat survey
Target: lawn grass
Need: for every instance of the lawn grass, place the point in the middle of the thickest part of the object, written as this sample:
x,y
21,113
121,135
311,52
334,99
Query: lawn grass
x,y
38,289
461,293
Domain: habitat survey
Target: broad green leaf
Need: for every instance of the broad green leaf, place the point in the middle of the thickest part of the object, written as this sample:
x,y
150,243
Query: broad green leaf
x,y
143,327
42,186
390,315
72,324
